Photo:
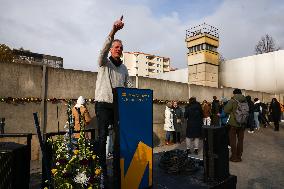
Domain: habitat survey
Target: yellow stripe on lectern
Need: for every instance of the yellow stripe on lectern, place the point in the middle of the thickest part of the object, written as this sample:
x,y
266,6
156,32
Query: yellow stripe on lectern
x,y
141,158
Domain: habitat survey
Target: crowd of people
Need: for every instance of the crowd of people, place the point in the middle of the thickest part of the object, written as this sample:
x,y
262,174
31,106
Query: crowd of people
x,y
236,115
113,73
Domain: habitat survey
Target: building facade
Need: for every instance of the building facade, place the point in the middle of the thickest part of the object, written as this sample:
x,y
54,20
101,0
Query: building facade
x,y
142,64
27,57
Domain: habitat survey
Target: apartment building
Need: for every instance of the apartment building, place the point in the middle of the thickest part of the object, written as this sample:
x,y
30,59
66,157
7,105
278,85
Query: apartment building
x,y
145,64
27,57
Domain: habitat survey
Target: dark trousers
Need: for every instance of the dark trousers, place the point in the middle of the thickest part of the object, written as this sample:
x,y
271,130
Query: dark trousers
x,y
236,135
227,132
105,116
264,120
178,137
276,125
251,124
168,136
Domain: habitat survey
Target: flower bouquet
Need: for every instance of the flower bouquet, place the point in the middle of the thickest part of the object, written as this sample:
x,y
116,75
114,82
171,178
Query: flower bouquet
x,y
74,166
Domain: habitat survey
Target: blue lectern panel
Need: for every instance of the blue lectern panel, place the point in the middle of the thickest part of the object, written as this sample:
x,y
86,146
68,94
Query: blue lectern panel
x,y
135,117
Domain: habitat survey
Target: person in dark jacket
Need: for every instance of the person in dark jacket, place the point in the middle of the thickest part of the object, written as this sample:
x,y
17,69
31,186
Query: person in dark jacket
x,y
236,132
250,123
178,114
193,114
263,115
215,111
275,112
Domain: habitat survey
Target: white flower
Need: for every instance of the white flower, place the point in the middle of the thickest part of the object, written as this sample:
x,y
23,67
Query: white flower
x,y
81,178
102,181
57,164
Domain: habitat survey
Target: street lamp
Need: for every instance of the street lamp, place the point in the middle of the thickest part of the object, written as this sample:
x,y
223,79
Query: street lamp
x,y
136,74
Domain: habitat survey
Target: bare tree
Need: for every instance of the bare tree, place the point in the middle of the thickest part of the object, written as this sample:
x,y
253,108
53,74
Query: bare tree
x,y
222,59
266,44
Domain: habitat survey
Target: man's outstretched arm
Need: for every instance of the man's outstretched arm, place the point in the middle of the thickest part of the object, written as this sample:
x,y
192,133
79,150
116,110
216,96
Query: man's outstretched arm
x,y
104,52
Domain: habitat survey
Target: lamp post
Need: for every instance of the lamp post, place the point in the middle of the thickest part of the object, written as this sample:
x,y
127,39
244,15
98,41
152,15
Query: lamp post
x,y
223,93
136,74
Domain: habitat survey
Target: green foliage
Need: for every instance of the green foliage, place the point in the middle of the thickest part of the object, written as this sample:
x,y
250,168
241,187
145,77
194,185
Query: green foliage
x,y
6,54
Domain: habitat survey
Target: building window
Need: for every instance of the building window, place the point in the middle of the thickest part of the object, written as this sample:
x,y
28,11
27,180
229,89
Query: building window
x,y
198,47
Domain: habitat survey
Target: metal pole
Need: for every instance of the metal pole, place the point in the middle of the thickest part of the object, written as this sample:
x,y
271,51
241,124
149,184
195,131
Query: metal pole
x,y
2,125
57,118
43,102
136,75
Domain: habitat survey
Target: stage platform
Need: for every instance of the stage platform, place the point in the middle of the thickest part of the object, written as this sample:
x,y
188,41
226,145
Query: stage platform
x,y
163,180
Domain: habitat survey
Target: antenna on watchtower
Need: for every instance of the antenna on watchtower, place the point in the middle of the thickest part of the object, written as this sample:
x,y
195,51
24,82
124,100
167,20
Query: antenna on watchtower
x,y
202,29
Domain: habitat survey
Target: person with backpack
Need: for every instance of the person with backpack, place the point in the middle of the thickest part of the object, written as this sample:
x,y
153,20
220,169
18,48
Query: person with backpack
x,y
238,110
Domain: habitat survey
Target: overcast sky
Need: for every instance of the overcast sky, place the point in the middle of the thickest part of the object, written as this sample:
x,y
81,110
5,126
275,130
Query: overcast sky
x,y
76,29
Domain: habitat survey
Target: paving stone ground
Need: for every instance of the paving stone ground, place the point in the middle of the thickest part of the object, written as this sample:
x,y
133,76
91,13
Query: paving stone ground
x,y
262,166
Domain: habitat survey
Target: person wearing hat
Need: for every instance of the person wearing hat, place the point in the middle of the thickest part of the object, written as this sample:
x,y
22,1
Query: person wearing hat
x,y
236,131
77,110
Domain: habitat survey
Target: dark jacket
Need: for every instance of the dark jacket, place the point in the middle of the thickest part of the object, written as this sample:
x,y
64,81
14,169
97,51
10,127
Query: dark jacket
x,y
231,108
257,106
177,118
250,122
275,111
216,108
216,111
193,114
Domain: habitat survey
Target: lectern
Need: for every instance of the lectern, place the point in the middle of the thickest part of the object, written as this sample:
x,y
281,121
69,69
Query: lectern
x,y
133,112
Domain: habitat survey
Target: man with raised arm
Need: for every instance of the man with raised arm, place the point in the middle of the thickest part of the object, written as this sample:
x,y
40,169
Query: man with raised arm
x,y
111,74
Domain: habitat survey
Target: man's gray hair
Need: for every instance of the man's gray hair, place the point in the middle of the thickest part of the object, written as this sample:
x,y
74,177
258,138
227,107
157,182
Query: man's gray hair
x,y
116,40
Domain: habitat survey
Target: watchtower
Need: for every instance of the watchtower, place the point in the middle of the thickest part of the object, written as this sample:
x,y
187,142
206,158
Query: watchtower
x,y
202,42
